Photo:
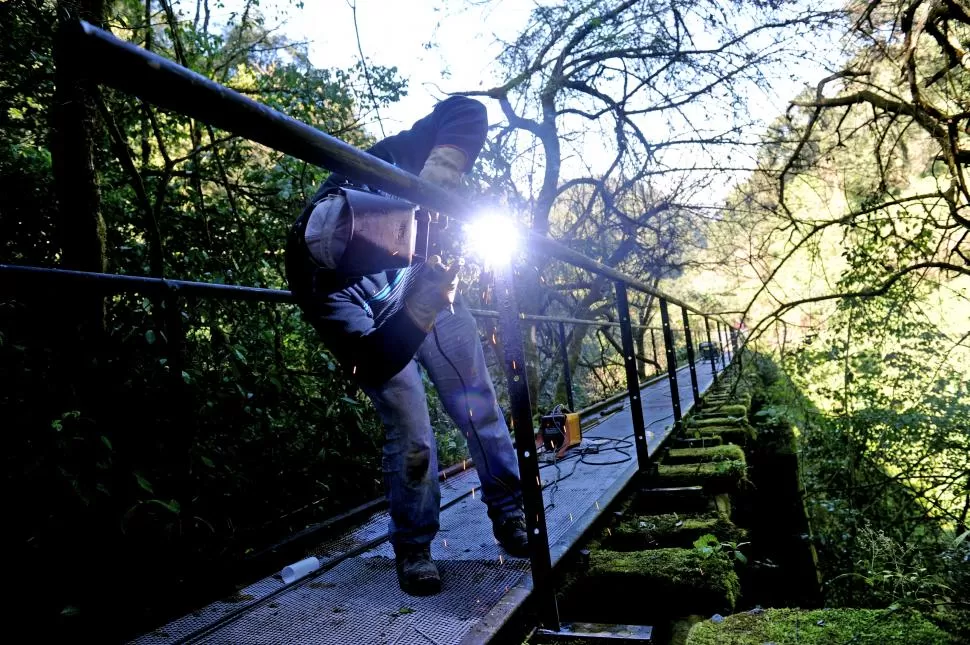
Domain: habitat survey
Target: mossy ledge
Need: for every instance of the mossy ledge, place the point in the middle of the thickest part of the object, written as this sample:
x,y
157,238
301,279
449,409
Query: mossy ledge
x,y
739,434
703,455
819,627
715,476
719,420
724,410
669,530
617,586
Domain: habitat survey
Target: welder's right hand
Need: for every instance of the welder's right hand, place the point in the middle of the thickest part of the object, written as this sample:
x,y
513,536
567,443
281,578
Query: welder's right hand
x,y
434,289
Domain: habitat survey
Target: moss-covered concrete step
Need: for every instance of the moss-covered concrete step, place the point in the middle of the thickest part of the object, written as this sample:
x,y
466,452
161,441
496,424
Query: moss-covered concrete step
x,y
725,410
622,586
681,499
714,400
739,434
819,627
714,421
728,452
714,477
638,532
696,442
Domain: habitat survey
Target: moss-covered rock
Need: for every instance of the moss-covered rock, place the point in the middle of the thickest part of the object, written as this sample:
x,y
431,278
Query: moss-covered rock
x,y
819,627
723,504
714,453
715,476
669,530
622,583
777,437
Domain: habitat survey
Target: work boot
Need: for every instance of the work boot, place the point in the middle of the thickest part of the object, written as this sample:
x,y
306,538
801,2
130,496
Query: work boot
x,y
512,535
416,572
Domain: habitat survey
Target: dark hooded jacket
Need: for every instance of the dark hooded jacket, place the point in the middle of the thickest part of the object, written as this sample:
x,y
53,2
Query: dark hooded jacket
x,y
363,321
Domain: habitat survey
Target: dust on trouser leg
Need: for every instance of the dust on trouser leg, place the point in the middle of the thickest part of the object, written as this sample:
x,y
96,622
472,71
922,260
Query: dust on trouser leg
x,y
410,460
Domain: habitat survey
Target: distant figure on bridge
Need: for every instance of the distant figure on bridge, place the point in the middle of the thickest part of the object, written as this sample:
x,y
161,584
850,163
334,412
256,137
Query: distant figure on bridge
x,y
382,326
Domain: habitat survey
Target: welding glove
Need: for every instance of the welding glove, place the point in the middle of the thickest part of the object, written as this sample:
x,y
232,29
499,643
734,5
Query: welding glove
x,y
444,167
433,289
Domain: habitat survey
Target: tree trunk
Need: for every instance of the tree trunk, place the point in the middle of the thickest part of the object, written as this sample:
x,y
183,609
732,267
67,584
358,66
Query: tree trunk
x,y
582,310
641,351
640,337
574,348
75,124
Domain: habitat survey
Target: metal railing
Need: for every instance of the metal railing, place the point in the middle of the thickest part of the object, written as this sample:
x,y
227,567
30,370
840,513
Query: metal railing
x,y
127,67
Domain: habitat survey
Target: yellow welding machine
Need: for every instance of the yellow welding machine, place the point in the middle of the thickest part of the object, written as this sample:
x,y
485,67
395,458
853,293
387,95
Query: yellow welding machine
x,y
559,431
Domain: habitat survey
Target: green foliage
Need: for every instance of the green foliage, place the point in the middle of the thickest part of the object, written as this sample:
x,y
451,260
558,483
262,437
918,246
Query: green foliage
x,y
896,574
202,445
881,540
709,545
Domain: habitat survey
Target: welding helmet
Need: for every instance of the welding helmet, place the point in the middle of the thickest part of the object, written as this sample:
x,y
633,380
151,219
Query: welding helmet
x,y
357,233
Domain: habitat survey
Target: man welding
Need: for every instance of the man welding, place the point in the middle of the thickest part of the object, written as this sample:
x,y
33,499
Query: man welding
x,y
383,325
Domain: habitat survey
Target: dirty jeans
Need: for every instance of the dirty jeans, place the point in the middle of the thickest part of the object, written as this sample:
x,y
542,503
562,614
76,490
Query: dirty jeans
x,y
453,358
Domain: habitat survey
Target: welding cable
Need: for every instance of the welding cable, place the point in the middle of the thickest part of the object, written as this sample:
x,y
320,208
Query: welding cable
x,y
617,448
580,458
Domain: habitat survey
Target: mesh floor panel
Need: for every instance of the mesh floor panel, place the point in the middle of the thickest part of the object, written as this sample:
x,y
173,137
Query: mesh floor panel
x,y
359,601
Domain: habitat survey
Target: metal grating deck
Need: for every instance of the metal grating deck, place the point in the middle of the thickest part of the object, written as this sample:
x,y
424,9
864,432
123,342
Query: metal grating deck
x,y
358,599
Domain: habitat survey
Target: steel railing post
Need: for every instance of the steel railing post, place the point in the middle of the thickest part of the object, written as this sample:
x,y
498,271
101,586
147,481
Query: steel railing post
x,y
520,408
632,378
707,327
671,362
721,349
690,357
